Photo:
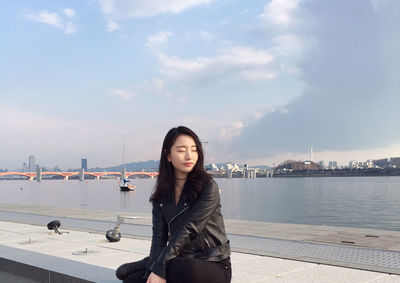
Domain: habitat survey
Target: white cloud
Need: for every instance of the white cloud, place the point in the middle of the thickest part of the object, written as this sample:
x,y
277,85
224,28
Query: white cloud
x,y
47,18
154,86
287,45
111,26
120,9
258,74
279,12
158,85
54,19
174,65
233,130
245,62
123,93
246,56
69,12
158,39
70,28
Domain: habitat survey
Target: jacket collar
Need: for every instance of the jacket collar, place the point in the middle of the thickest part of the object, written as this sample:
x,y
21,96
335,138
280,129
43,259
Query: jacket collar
x,y
169,208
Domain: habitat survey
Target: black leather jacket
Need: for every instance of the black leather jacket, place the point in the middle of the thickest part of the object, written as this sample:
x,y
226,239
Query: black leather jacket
x,y
187,230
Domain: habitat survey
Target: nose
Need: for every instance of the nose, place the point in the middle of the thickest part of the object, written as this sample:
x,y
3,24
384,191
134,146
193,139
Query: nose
x,y
188,154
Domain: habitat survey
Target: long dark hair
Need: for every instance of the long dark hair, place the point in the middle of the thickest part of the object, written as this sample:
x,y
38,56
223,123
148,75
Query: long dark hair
x,y
196,179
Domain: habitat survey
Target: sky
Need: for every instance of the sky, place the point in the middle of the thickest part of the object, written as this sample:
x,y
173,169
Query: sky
x,y
259,81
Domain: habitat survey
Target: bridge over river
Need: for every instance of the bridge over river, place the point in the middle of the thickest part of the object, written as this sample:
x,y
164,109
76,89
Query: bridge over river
x,y
76,174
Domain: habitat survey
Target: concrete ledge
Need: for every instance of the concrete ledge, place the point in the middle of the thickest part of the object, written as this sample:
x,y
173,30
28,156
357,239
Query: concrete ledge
x,y
22,266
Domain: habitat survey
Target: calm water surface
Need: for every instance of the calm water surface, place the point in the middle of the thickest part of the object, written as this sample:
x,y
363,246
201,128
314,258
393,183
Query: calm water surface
x,y
363,202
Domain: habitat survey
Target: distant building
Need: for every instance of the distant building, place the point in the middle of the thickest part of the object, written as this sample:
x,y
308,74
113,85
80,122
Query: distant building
x,y
84,164
354,164
332,164
32,163
322,164
24,167
230,166
213,167
369,163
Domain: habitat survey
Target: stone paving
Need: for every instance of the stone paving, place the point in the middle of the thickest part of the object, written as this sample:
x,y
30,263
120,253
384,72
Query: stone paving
x,y
32,244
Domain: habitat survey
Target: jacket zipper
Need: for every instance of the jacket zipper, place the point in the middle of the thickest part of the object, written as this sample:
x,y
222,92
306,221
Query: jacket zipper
x,y
173,218
205,239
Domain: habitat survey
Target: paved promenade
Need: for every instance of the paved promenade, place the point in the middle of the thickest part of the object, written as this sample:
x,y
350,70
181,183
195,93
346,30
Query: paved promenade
x,y
262,252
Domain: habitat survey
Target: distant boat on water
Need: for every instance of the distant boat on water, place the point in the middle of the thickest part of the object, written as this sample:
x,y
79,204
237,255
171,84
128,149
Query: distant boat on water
x,y
126,187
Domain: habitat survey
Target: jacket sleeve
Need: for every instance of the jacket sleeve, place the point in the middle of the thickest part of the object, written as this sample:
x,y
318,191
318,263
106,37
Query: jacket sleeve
x,y
160,234
194,222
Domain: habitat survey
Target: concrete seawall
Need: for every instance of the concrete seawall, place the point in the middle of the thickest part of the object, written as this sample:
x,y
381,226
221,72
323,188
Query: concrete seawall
x,y
262,251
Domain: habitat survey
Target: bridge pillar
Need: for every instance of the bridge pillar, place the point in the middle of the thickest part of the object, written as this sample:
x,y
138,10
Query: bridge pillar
x,y
229,173
39,174
66,178
250,173
31,178
82,174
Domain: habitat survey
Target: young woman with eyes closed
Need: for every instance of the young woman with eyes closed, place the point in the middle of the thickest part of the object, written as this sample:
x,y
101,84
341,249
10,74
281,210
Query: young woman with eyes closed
x,y
189,242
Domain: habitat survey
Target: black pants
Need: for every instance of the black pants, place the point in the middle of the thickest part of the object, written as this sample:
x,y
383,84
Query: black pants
x,y
190,270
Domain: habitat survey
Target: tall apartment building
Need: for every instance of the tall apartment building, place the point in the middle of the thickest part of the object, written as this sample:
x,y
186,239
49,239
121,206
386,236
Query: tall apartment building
x,y
31,163
84,164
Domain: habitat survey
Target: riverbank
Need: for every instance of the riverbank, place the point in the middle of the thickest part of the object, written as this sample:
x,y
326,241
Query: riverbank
x,y
369,172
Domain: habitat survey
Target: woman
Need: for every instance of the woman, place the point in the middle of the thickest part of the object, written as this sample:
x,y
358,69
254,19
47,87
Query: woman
x,y
189,242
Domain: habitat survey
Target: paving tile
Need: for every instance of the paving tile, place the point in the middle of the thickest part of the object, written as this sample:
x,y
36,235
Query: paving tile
x,y
238,258
327,274
113,261
49,248
386,278
78,236
245,276
130,245
268,266
20,240
7,237
363,240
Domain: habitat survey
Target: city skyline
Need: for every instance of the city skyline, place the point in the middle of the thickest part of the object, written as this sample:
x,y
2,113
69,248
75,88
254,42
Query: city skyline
x,y
260,81
84,162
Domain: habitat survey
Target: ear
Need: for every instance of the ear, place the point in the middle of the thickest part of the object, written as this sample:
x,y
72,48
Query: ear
x,y
169,157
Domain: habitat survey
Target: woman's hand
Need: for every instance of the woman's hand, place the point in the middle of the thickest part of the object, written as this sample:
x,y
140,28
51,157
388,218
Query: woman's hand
x,y
154,278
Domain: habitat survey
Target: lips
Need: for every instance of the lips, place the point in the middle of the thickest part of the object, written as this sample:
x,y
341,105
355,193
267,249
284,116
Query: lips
x,y
189,164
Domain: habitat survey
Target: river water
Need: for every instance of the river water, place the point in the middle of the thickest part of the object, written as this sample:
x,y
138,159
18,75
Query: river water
x,y
361,202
